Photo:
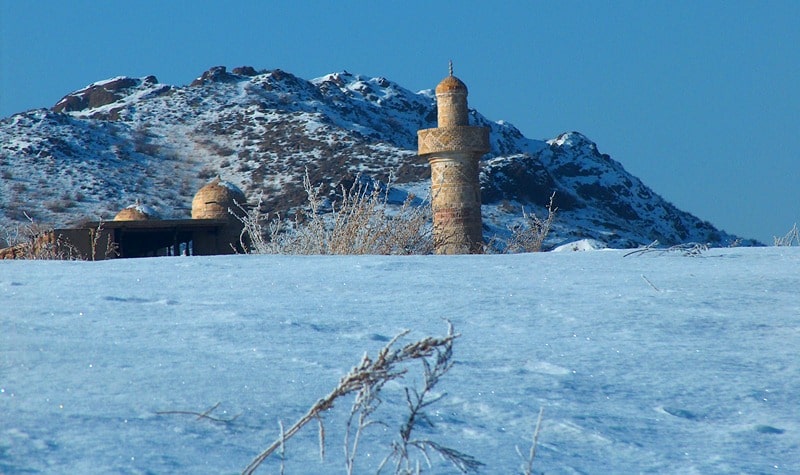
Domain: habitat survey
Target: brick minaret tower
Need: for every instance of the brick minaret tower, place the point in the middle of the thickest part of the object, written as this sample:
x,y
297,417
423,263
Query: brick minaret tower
x,y
453,150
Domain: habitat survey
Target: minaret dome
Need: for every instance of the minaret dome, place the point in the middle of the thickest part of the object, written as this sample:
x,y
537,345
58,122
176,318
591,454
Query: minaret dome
x,y
451,85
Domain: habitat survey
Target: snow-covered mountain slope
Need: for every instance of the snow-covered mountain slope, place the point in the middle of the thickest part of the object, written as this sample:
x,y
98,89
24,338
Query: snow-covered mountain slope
x,y
102,147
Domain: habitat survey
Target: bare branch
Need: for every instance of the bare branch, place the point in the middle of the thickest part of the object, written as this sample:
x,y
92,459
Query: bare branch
x,y
203,415
528,467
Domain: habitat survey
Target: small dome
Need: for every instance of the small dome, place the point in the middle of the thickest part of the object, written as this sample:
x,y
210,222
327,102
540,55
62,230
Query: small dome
x,y
136,212
450,85
214,200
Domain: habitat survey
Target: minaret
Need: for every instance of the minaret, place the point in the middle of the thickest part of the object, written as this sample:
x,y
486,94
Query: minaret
x,y
453,150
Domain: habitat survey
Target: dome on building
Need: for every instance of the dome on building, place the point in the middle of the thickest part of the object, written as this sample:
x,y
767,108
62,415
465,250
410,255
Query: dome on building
x,y
217,200
450,85
137,212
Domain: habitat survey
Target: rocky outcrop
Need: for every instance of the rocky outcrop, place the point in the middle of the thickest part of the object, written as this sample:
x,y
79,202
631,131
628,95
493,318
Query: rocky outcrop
x,y
221,74
112,91
100,94
244,71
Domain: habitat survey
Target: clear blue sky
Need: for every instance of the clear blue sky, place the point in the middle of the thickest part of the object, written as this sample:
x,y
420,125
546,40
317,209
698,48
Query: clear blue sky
x,y
701,99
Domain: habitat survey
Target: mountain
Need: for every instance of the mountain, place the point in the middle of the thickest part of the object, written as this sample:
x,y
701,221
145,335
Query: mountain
x,y
103,147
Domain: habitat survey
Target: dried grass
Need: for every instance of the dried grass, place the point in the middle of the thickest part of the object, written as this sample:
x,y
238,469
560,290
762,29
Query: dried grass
x,y
35,242
417,402
360,222
689,249
792,238
530,235
365,382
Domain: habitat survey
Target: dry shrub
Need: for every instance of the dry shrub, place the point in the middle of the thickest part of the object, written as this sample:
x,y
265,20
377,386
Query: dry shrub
x,y
792,238
34,241
530,235
109,247
365,382
360,222
59,206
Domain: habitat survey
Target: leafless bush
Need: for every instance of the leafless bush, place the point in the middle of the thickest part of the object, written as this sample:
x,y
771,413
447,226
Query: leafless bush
x,y
34,241
60,205
109,247
530,235
365,381
360,222
792,238
206,173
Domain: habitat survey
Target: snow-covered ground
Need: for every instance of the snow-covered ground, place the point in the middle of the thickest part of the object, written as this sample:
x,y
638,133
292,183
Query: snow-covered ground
x,y
643,364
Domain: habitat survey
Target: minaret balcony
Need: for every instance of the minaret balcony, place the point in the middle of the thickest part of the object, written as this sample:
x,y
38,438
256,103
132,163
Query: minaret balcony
x,y
462,138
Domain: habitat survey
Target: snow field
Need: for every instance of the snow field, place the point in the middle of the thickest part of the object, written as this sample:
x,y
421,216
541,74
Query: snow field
x,y
652,363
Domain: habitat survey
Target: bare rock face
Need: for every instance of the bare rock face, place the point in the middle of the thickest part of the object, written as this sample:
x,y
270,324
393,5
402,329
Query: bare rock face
x,y
221,74
520,178
100,94
122,90
248,71
215,74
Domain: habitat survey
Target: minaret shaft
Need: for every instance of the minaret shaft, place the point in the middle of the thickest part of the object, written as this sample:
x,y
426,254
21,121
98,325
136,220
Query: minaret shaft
x,y
452,109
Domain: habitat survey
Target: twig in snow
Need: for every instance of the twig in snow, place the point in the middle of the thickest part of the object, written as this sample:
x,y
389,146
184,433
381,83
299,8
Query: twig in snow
x,y
689,249
203,415
643,249
651,284
282,453
527,468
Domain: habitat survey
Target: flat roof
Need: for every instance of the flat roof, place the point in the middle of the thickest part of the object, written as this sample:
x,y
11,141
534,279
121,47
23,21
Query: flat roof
x,y
156,224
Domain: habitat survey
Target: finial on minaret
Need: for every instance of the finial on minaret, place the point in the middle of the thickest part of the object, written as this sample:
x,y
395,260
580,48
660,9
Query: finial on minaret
x,y
451,67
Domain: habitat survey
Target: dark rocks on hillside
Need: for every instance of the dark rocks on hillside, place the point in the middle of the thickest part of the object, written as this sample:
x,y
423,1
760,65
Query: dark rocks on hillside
x,y
614,198
414,168
522,178
94,95
101,94
215,74
245,71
